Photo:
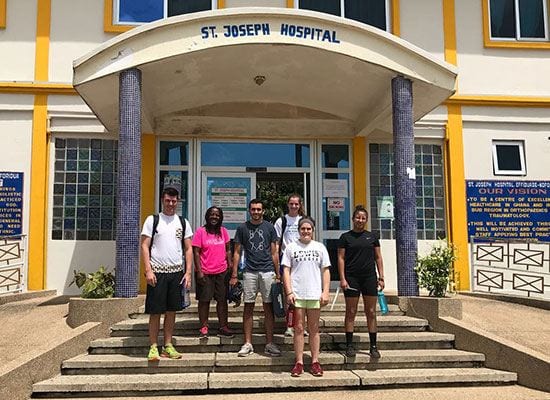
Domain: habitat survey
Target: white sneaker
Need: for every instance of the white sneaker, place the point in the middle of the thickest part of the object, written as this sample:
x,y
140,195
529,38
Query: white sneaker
x,y
246,350
306,333
289,332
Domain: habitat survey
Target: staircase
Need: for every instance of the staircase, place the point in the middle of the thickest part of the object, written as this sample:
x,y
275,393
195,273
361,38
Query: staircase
x,y
412,355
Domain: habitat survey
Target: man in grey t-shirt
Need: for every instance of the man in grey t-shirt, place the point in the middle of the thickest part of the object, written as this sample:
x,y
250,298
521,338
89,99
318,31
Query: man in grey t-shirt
x,y
258,239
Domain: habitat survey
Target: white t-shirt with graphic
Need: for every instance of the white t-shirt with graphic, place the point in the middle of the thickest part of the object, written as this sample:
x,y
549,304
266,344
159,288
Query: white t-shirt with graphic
x,y
306,263
291,233
167,248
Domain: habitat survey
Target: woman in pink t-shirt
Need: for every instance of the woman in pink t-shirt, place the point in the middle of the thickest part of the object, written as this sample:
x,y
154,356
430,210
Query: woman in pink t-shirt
x,y
212,258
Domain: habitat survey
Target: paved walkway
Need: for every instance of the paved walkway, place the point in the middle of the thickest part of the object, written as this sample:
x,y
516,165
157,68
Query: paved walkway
x,y
524,325
31,325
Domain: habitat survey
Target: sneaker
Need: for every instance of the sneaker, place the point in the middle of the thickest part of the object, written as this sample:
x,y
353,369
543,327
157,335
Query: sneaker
x,y
297,370
306,333
374,353
225,332
169,351
289,332
350,351
246,350
271,349
316,369
153,353
203,332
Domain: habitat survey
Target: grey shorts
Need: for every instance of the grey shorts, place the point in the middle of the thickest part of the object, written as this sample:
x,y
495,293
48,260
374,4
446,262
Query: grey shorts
x,y
254,282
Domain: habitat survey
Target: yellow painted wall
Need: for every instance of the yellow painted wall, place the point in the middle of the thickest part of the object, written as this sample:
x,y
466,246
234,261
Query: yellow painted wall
x,y
148,178
39,156
360,171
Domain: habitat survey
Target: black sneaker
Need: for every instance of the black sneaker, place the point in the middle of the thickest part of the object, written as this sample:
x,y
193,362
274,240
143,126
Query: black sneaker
x,y
350,351
374,353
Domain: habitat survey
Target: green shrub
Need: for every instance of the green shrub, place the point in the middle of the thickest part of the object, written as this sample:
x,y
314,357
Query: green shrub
x,y
95,285
435,270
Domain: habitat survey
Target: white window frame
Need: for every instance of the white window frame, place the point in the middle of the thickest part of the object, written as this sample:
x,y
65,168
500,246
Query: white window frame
x,y
343,10
116,13
521,148
517,22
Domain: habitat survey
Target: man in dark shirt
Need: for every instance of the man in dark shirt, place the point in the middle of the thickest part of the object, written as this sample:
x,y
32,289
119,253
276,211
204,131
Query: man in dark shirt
x,y
258,239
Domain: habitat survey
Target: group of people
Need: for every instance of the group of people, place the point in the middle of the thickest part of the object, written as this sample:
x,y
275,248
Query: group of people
x,y
284,252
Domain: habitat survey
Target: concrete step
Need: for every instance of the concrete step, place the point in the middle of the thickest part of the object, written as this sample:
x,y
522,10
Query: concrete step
x,y
196,383
189,325
332,341
95,364
339,308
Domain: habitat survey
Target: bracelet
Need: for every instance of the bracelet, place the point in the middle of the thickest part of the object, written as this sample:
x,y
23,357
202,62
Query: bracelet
x,y
288,294
381,279
234,276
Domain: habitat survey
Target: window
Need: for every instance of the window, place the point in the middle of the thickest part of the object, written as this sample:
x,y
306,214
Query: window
x,y
430,204
335,182
133,12
371,12
518,20
225,154
508,158
174,170
84,200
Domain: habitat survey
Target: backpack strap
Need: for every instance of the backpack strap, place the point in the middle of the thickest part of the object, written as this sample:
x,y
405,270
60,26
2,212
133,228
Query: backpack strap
x,y
183,226
283,228
156,224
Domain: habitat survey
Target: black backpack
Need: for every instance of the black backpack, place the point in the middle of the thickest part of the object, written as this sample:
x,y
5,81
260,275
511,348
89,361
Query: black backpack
x,y
283,228
156,224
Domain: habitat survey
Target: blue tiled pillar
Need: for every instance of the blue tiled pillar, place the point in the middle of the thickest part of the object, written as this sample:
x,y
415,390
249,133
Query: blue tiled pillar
x,y
405,186
129,184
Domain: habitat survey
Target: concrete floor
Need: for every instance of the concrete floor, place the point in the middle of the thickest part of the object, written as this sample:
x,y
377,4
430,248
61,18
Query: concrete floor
x,y
514,392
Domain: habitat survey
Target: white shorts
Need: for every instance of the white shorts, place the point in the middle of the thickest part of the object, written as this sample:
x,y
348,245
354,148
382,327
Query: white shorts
x,y
254,282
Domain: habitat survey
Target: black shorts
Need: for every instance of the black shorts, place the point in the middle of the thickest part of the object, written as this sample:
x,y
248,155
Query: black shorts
x,y
214,286
166,295
365,285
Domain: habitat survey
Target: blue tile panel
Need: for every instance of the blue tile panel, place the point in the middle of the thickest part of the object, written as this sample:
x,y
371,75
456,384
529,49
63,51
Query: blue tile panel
x,y
129,180
405,186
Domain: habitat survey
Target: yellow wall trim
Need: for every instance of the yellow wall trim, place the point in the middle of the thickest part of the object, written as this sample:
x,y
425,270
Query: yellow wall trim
x,y
148,177
3,13
37,88
289,3
221,4
360,171
508,44
39,154
449,31
38,201
395,18
498,101
42,53
456,191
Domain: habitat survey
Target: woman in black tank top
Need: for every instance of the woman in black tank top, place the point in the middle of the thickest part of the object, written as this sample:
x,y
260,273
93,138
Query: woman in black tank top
x,y
361,271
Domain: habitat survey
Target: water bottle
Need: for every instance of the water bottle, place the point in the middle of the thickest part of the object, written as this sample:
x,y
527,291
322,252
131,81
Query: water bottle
x,y
383,303
290,317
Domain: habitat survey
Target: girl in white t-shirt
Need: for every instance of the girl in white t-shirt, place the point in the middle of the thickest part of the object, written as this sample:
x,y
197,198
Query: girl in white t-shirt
x,y
287,232
307,280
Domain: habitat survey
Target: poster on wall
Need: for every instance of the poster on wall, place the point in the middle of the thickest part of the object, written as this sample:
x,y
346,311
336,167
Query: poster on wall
x,y
508,210
385,207
233,201
335,188
11,203
336,204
